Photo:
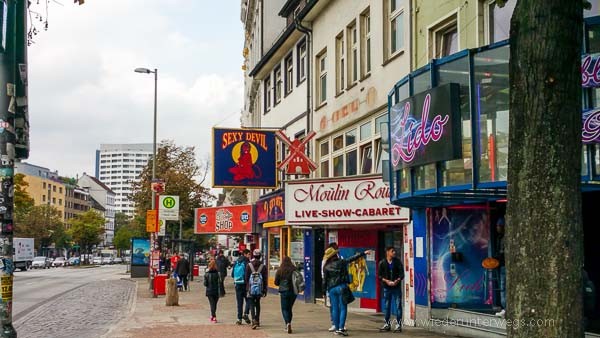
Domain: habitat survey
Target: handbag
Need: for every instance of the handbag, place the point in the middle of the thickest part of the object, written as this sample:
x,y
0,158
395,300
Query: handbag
x,y
347,295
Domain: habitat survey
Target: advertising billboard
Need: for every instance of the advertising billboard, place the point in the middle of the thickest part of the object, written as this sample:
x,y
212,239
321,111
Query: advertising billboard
x,y
140,251
224,220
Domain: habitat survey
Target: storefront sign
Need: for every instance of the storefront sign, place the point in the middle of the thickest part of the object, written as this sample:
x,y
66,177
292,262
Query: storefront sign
x,y
590,71
426,127
244,158
296,162
224,220
270,209
591,126
357,200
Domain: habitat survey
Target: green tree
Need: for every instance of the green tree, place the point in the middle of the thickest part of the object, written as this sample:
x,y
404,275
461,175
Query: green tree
x,y
23,201
121,219
86,229
44,224
544,226
183,177
135,227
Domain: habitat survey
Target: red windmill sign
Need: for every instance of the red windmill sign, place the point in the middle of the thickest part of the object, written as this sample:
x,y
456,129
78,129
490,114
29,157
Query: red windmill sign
x,y
296,163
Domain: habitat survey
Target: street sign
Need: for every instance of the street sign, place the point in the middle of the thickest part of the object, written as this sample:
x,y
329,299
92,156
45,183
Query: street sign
x,y
151,221
168,207
162,226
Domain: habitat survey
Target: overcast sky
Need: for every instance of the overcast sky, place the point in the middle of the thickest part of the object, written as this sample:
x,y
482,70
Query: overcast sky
x,y
83,90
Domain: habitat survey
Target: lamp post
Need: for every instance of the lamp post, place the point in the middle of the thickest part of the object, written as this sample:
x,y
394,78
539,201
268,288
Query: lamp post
x,y
154,206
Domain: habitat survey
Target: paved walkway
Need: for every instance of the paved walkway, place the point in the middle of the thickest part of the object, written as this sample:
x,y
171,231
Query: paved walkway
x,y
150,318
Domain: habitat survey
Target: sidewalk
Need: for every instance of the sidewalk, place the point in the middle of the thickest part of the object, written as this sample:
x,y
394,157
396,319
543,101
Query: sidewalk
x,y
150,318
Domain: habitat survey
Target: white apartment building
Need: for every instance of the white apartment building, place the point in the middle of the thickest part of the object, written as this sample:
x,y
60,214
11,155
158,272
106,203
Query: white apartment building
x,y
118,166
105,197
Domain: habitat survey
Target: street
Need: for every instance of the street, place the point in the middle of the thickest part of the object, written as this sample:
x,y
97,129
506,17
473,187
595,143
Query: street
x,y
70,302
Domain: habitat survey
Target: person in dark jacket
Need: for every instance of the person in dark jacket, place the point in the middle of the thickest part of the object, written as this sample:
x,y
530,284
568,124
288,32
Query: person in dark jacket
x,y
283,279
212,282
391,274
240,288
257,266
335,280
183,270
222,265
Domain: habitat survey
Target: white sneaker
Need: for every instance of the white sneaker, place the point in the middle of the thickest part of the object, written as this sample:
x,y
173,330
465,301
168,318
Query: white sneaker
x,y
332,328
501,313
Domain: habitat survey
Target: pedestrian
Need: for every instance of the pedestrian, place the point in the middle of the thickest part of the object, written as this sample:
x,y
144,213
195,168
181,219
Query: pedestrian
x,y
283,279
168,263
238,273
183,270
174,259
212,283
334,246
256,285
335,282
222,265
391,274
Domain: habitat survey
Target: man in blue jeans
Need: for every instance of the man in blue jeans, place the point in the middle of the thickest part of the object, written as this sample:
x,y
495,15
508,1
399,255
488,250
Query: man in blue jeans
x,y
391,274
238,273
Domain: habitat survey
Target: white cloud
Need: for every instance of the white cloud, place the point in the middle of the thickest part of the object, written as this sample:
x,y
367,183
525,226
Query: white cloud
x,y
83,91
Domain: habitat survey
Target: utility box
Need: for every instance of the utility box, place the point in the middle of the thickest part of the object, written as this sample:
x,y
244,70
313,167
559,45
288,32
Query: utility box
x,y
196,270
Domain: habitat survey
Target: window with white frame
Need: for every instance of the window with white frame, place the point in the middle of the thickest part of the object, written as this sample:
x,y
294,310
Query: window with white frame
x,y
268,94
340,63
289,73
394,27
356,150
301,61
278,84
322,79
365,43
498,20
443,38
352,37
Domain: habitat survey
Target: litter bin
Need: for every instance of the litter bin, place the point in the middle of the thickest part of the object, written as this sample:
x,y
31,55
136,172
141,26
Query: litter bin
x,y
160,282
196,270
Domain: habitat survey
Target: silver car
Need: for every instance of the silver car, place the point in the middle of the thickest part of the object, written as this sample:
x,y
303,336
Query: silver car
x,y
40,262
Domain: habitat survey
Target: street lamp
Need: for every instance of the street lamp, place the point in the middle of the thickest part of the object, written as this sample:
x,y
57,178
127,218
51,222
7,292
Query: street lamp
x,y
152,234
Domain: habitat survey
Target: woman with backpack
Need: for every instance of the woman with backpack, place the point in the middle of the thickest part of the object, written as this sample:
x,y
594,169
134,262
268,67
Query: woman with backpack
x,y
256,284
212,282
283,279
335,281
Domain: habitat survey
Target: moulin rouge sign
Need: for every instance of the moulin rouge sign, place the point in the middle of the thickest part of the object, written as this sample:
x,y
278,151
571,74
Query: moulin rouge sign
x,y
426,127
590,78
359,200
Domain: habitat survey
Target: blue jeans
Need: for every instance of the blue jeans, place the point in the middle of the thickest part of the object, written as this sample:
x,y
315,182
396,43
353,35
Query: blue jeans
x,y
339,309
503,287
392,296
240,296
287,302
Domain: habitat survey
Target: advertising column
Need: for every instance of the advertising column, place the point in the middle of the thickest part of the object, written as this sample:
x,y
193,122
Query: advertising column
x,y
408,310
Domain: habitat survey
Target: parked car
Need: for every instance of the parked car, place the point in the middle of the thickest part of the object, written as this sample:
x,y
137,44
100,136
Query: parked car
x,y
107,260
97,260
40,262
59,261
127,259
118,260
74,261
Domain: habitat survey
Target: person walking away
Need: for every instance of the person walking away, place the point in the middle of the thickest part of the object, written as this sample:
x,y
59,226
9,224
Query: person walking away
x,y
174,260
238,273
391,274
334,246
222,265
256,285
283,279
212,283
335,281
183,270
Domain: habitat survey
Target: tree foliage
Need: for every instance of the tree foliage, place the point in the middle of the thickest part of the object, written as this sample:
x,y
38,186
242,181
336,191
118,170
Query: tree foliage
x,y
182,176
22,200
87,228
135,227
121,219
44,224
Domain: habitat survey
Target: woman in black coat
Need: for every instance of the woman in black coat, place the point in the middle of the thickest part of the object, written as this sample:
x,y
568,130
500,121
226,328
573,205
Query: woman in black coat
x,y
212,281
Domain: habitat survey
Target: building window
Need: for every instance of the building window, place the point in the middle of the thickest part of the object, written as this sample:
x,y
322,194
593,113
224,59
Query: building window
x,y
351,36
322,81
60,190
54,188
365,43
43,198
43,185
59,201
498,27
444,38
289,73
340,63
394,27
268,93
277,81
53,200
301,61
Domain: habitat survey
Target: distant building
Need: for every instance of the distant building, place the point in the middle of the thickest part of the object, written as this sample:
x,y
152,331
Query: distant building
x,y
100,193
77,200
45,186
118,166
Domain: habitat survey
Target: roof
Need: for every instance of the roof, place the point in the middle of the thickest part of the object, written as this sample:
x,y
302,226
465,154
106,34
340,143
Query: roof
x,y
288,7
96,205
97,181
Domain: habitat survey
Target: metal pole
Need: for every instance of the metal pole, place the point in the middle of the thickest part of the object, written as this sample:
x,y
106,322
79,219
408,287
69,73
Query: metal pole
x,y
180,227
8,104
154,204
